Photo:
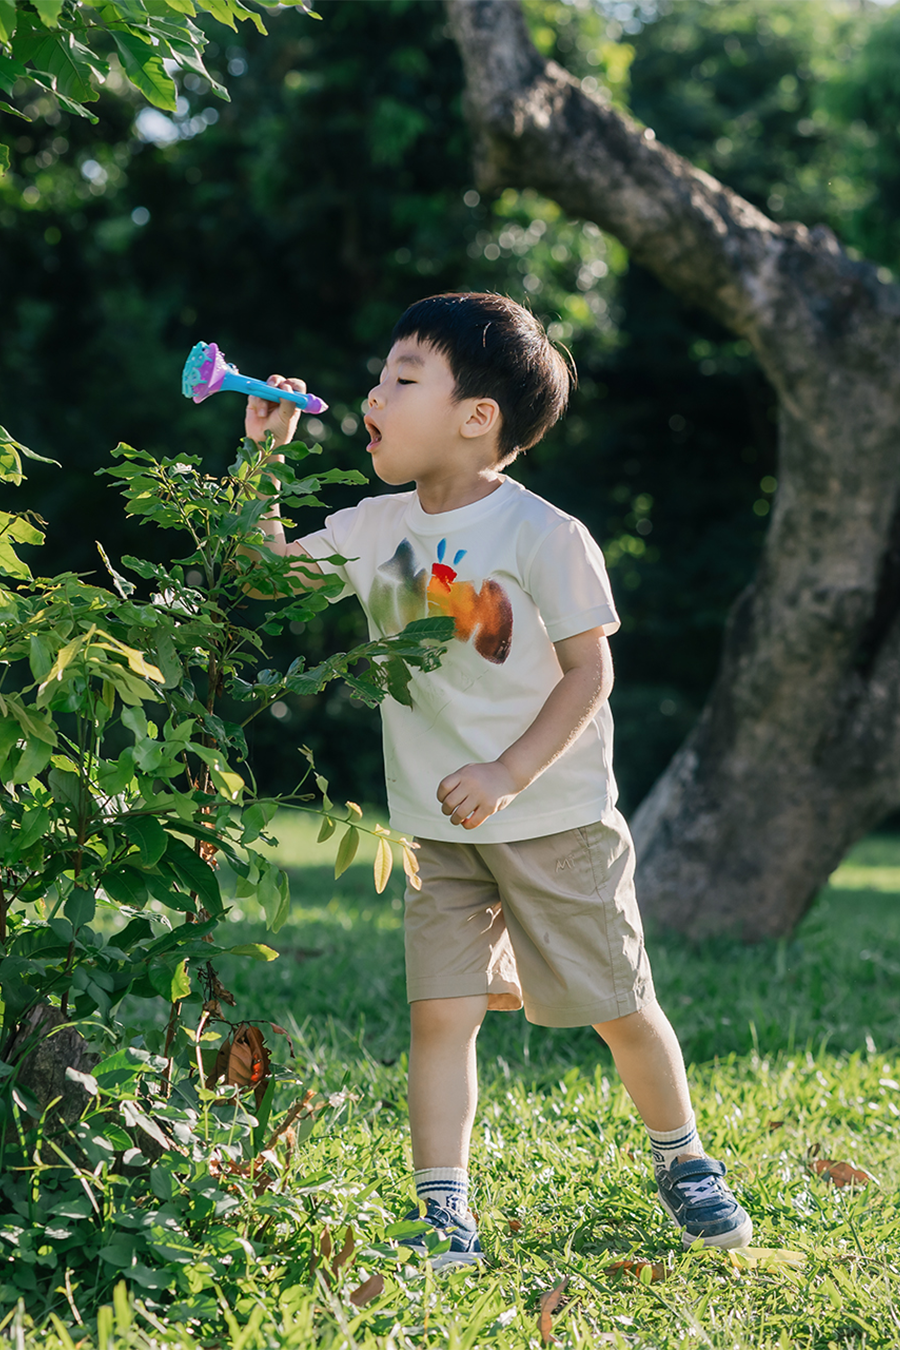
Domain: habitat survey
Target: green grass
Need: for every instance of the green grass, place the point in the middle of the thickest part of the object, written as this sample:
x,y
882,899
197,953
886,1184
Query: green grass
x,y
792,1047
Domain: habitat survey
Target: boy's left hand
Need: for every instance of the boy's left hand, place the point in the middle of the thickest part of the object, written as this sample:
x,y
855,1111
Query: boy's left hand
x,y
476,791
275,415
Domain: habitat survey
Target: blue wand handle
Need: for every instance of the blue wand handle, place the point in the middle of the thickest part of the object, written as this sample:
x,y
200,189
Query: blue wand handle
x,y
245,384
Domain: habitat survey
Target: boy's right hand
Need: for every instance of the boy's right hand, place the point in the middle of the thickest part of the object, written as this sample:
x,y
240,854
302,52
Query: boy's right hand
x,y
275,415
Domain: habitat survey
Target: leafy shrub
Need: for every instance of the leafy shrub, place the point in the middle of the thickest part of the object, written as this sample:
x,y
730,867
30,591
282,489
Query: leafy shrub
x,y
124,781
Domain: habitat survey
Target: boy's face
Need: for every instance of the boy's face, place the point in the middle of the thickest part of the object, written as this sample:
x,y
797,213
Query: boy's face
x,y
413,420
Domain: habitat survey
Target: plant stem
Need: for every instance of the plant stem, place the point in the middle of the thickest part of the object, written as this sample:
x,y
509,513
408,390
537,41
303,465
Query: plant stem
x,y
170,1036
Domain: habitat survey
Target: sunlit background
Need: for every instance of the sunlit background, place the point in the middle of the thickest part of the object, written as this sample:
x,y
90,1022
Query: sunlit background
x,y
292,224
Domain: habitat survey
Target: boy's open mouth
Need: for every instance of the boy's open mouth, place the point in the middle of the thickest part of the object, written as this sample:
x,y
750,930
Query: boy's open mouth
x,y
373,432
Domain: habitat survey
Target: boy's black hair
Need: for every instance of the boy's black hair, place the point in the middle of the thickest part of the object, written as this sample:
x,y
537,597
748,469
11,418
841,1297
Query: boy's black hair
x,y
495,349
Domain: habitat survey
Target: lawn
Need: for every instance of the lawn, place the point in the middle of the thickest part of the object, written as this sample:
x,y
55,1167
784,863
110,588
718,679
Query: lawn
x,y
793,1057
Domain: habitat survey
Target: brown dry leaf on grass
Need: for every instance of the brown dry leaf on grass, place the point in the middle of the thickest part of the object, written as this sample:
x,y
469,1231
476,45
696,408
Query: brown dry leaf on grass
x,y
331,1262
243,1060
839,1173
515,1225
549,1303
372,1287
636,1266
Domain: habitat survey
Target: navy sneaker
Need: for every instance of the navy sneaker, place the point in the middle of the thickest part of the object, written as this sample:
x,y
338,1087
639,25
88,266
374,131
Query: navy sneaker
x,y
694,1195
462,1234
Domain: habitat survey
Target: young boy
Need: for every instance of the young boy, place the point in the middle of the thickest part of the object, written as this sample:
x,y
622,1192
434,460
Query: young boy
x,y
502,768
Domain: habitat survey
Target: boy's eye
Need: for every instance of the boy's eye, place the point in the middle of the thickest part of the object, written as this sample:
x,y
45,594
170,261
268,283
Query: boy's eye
x,y
401,381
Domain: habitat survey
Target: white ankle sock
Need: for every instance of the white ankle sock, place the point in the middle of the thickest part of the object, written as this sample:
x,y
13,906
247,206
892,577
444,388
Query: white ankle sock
x,y
447,1186
667,1145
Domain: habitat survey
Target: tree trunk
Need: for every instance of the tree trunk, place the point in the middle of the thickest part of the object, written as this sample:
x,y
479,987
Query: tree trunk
x,y
43,1048
797,752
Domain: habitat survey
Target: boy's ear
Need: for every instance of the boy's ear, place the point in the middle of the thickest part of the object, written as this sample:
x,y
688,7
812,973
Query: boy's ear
x,y
483,418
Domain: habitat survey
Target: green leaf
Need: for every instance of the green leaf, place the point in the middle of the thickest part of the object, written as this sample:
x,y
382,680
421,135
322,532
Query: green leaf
x,y
346,851
254,820
49,11
181,983
161,1183
10,733
32,761
122,584
226,11
440,629
4,149
195,874
229,784
67,62
34,824
149,836
39,657
10,71
126,885
80,907
15,529
326,830
113,776
258,951
398,677
7,21
65,786
64,658
146,72
274,893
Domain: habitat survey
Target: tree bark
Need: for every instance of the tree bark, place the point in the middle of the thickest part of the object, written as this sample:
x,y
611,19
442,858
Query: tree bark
x,y
797,752
44,1046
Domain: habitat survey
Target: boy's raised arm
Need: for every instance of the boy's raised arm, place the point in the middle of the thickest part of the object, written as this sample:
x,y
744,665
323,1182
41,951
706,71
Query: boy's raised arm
x,y
280,417
476,791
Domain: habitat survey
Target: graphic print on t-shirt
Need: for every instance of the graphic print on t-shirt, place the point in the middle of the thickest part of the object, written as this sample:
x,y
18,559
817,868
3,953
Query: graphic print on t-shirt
x,y
402,591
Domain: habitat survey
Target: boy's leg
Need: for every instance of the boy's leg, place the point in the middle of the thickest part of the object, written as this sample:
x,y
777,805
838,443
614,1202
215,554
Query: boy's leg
x,y
443,1078
649,1060
650,1064
443,1095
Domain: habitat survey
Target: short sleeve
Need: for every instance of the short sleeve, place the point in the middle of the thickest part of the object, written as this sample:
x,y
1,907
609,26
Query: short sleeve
x,y
333,540
568,581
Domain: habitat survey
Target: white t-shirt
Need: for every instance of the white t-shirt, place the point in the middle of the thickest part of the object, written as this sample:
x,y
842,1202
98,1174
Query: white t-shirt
x,y
517,575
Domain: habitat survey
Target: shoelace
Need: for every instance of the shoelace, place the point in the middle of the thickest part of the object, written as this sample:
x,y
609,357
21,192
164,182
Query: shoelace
x,y
707,1188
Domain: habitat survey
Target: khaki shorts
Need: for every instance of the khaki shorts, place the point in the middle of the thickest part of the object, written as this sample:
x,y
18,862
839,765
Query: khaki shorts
x,y
551,924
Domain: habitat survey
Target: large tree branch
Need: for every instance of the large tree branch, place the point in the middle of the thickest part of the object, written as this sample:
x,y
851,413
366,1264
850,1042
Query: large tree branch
x,y
781,286
795,753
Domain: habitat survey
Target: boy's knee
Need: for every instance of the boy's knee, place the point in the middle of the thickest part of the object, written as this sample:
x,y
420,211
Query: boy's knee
x,y
632,1026
447,1016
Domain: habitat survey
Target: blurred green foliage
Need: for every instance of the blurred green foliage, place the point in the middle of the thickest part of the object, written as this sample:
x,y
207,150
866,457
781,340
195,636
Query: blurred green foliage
x,y
293,224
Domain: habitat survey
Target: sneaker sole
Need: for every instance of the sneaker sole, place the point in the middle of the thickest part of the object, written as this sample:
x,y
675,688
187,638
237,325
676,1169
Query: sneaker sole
x,y
738,1237
456,1259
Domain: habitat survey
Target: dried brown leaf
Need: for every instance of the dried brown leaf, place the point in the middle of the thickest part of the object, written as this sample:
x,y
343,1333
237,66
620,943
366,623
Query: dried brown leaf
x,y
345,1253
515,1225
839,1173
323,1255
549,1303
243,1060
372,1287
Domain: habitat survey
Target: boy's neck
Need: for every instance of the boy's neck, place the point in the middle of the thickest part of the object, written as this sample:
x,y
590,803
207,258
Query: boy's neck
x,y
440,494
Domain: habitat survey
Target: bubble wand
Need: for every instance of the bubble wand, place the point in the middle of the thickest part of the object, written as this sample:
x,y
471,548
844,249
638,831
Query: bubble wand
x,y
207,372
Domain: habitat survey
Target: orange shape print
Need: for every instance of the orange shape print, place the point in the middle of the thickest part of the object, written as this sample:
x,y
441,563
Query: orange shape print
x,y
487,613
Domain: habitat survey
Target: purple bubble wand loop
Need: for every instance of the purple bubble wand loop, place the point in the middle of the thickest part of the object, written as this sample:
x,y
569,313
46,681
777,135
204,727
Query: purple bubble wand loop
x,y
207,372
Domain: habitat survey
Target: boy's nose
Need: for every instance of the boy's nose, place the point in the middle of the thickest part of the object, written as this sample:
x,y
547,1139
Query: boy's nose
x,y
374,396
